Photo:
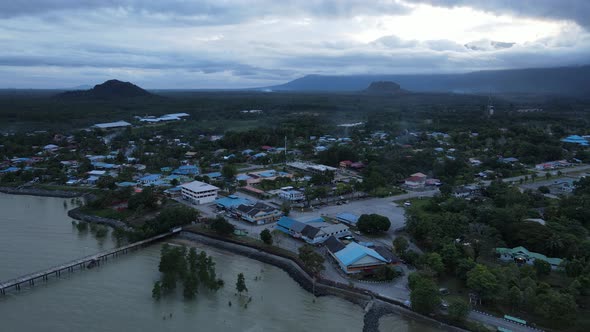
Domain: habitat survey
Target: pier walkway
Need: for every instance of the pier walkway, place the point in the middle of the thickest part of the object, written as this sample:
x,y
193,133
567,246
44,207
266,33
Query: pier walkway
x,y
82,263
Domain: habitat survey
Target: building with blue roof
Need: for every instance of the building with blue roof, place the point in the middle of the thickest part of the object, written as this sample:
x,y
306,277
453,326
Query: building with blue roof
x,y
355,258
575,139
10,170
243,177
347,218
126,184
188,170
103,165
268,174
213,175
166,169
232,201
149,179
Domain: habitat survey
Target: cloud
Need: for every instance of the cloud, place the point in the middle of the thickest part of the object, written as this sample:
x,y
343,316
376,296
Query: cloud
x,y
211,11
573,10
221,43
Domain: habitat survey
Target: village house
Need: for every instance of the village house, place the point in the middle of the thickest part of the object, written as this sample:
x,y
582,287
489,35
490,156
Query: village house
x,y
521,256
313,231
258,213
355,258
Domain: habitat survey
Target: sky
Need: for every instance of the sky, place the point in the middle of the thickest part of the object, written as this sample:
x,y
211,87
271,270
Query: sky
x,y
181,44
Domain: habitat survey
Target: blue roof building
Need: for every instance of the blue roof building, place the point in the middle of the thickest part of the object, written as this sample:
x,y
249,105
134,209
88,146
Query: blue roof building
x,y
355,258
232,201
10,170
347,218
186,170
268,174
243,177
149,179
213,175
575,139
126,184
166,169
285,224
247,152
259,155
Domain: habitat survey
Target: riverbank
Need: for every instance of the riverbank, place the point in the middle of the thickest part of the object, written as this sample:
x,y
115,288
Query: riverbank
x,y
379,307
32,191
81,216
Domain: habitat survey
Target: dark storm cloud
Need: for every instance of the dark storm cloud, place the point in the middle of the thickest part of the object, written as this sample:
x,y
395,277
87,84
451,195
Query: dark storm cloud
x,y
573,10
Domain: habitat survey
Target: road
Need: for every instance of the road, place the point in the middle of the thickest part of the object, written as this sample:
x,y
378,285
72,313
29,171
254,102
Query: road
x,y
497,321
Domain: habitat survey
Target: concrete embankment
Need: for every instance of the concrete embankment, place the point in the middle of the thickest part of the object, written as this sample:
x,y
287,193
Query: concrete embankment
x,y
287,265
378,308
79,215
41,192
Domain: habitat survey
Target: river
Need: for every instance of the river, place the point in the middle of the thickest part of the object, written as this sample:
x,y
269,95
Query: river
x,y
35,233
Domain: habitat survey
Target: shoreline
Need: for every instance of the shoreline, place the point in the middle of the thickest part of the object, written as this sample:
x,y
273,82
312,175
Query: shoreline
x,y
77,214
31,191
379,306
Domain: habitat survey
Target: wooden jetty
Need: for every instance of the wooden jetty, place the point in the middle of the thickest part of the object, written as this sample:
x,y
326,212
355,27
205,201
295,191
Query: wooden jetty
x,y
82,263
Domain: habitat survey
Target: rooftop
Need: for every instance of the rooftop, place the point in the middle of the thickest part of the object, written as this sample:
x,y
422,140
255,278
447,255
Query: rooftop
x,y
198,186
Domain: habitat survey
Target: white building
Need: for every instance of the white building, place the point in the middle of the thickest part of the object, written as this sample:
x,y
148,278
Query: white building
x,y
199,192
112,125
290,194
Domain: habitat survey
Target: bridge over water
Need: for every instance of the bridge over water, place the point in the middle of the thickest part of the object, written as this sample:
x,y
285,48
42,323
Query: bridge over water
x,y
81,263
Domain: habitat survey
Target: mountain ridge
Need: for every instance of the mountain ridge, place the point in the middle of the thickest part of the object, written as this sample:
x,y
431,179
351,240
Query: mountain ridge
x,y
556,80
111,89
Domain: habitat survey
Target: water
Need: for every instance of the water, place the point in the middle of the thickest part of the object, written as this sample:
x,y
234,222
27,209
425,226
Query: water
x,y
35,232
396,323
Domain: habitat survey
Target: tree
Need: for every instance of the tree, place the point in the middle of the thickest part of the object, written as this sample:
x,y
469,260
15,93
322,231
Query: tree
x,y
434,262
147,198
157,291
286,208
450,256
542,267
222,226
482,281
229,171
424,295
458,310
266,237
106,182
559,309
241,284
400,245
373,223
515,297
311,259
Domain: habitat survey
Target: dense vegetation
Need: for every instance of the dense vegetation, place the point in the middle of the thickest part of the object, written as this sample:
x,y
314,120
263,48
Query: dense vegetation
x,y
194,270
460,237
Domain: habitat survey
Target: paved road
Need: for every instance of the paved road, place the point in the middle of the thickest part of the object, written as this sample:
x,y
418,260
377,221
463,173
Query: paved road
x,y
496,321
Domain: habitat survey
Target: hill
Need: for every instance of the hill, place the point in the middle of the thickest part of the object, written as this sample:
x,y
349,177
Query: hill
x,y
111,89
571,81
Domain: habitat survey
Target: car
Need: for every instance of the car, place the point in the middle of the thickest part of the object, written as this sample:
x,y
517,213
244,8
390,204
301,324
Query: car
x,y
349,238
407,203
444,305
444,291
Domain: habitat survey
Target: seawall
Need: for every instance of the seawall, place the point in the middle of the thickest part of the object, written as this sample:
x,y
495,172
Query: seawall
x,y
380,306
41,192
79,215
